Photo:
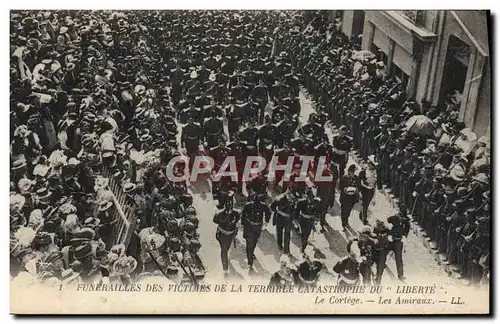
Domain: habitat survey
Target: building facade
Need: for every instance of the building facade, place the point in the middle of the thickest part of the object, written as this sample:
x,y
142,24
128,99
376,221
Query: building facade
x,y
434,53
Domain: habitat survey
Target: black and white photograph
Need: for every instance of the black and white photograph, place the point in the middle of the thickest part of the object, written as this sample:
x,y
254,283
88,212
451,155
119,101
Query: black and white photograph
x,y
321,161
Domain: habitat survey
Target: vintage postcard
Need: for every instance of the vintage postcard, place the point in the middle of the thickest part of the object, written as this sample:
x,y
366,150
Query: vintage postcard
x,y
250,162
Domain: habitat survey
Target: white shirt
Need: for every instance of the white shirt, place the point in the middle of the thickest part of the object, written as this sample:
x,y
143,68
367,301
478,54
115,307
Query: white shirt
x,y
371,179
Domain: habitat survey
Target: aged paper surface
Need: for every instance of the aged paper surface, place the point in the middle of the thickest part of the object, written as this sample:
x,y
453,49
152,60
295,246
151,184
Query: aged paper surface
x,y
435,300
250,162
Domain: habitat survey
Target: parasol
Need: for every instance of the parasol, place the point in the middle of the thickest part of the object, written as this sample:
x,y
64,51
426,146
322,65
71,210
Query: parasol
x,y
420,125
362,56
357,69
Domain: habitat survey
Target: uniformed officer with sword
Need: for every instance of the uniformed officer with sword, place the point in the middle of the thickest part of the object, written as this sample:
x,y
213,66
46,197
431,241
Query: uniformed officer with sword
x,y
253,215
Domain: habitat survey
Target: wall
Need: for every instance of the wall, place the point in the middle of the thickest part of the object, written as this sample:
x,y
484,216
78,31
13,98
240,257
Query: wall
x,y
351,19
425,70
451,27
476,22
380,27
475,108
347,22
384,31
482,121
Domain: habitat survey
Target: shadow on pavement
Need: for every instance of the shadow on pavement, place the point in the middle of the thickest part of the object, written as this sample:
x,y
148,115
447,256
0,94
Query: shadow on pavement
x,y
295,239
201,187
268,245
233,274
336,241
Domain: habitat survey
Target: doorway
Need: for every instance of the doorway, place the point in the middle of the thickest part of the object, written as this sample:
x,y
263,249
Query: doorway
x,y
358,22
455,68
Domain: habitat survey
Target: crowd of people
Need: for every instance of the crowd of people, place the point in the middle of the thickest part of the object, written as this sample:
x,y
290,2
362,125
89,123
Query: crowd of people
x,y
104,94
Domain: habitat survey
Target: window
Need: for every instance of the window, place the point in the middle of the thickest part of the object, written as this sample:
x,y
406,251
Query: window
x,y
415,16
399,75
381,56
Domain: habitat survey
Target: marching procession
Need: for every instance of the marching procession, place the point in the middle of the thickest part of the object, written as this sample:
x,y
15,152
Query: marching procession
x,y
102,101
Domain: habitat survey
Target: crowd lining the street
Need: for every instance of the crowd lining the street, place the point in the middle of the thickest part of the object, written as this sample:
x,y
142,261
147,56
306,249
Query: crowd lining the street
x,y
100,94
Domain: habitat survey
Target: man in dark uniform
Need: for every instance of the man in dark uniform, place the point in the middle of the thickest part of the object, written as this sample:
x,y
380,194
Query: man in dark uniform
x,y
398,233
239,92
348,267
193,85
219,153
237,148
213,129
380,249
210,109
341,146
286,276
190,138
235,115
313,130
323,149
293,81
366,244
285,129
349,194
309,269
258,186
260,95
283,208
249,135
326,192
253,215
266,137
227,220
221,79
176,79
279,90
368,178
308,209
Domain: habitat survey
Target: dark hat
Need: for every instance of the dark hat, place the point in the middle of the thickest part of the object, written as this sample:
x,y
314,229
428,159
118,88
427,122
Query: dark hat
x,y
174,244
470,211
85,234
194,245
43,193
92,222
129,187
189,227
119,175
459,203
52,257
18,164
484,219
90,117
51,226
380,226
43,238
429,167
191,211
82,251
105,205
